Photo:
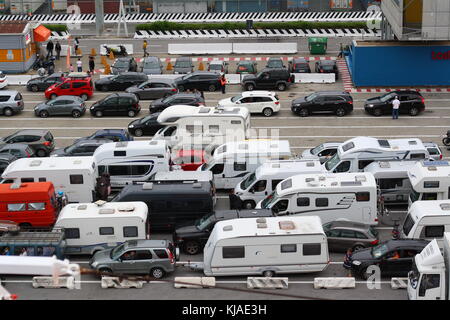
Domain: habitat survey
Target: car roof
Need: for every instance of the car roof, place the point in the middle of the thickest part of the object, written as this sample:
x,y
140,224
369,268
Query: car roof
x,y
256,93
332,93
216,62
8,92
118,131
350,225
298,60
401,243
8,157
14,146
93,142
246,62
327,62
67,97
275,58
184,58
150,58
204,72
275,69
122,94
127,58
41,132
147,244
129,73
186,95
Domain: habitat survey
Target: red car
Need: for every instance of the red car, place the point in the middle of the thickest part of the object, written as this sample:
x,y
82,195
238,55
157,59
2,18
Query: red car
x,y
81,86
189,160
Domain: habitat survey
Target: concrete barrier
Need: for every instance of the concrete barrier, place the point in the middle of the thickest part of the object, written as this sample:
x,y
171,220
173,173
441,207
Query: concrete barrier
x,y
233,78
116,282
194,282
204,48
267,283
129,48
47,282
315,77
20,80
259,48
334,283
399,283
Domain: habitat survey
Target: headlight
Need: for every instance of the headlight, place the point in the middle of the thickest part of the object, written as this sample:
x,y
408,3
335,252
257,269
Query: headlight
x,y
356,262
370,105
92,108
176,72
131,126
35,108
297,105
94,264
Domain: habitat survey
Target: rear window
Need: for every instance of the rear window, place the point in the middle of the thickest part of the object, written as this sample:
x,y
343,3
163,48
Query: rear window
x,y
18,97
49,136
434,151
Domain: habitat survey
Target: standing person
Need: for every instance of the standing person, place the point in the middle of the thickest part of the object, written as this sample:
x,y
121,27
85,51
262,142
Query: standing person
x,y
71,68
6,252
76,44
79,65
223,82
144,47
395,107
58,50
23,252
341,51
347,262
91,64
49,48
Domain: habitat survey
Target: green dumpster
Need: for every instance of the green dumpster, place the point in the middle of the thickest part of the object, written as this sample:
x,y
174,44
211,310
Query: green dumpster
x,y
317,45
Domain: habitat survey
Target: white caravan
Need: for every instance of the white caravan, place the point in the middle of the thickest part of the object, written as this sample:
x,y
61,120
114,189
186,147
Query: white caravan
x,y
129,161
427,220
234,161
92,227
392,180
342,196
355,154
266,246
430,180
202,126
265,179
75,176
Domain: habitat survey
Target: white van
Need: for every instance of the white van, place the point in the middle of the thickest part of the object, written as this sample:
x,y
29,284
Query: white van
x,y
427,220
266,246
356,153
343,196
92,227
75,176
129,161
430,180
202,126
265,179
234,161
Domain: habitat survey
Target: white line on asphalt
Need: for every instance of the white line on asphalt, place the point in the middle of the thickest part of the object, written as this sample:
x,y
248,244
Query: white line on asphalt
x,y
346,127
375,136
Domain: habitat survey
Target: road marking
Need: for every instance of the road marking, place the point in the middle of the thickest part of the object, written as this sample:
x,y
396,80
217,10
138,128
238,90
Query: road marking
x,y
375,136
346,127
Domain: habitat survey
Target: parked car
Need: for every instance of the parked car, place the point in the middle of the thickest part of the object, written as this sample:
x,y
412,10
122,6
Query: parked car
x,y
183,65
71,86
154,89
40,141
3,80
189,160
327,66
154,257
299,65
61,106
264,102
11,102
42,83
393,257
152,65
116,104
115,135
275,62
246,67
323,151
19,150
200,80
411,102
5,160
218,66
146,126
80,148
343,235
339,103
434,150
276,78
190,99
120,82
124,64
7,226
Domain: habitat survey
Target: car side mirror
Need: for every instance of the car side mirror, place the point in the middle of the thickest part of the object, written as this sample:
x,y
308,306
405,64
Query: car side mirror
x,y
238,102
252,190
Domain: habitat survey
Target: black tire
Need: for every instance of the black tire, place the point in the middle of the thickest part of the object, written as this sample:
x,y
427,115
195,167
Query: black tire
x,y
191,247
303,112
25,225
446,142
249,87
8,112
131,113
84,96
76,114
413,111
41,153
43,114
53,96
138,132
34,88
98,113
281,86
157,273
267,112
181,88
377,112
248,204
212,88
104,88
105,270
363,274
268,273
340,112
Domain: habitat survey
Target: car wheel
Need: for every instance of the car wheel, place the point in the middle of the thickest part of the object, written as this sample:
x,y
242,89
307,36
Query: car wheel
x,y
212,88
181,88
8,112
192,247
131,113
53,96
157,273
364,275
303,112
267,112
249,87
105,270
414,111
358,247
34,88
281,87
104,88
84,97
98,113
268,273
248,204
76,114
43,114
138,133
377,112
340,112
41,153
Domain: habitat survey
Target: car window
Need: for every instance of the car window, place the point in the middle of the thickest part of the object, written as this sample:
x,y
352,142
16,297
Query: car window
x,y
347,234
4,98
112,101
143,255
160,85
78,84
124,101
29,138
65,85
333,233
360,235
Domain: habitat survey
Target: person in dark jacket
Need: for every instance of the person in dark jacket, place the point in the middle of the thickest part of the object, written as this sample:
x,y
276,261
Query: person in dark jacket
x,y
348,262
91,64
58,50
49,48
103,186
223,82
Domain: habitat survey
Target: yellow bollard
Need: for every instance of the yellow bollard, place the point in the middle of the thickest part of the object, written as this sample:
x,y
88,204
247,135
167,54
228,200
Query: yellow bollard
x,y
107,69
169,66
93,52
79,53
201,67
111,55
103,59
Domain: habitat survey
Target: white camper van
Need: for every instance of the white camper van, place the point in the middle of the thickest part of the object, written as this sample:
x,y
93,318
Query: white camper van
x,y
234,161
205,126
343,196
265,179
75,176
355,154
92,227
266,246
427,220
430,180
129,161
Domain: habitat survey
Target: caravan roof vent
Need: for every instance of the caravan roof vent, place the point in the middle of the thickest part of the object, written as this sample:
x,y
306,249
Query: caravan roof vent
x,y
322,178
261,225
35,163
309,179
153,142
106,211
100,202
384,143
261,220
147,186
432,168
276,165
274,146
82,207
126,208
445,206
228,228
385,164
243,146
204,110
360,178
310,164
15,185
435,163
286,225
412,142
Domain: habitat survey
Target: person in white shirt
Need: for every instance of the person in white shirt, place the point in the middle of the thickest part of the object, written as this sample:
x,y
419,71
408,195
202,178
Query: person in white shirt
x,y
79,65
395,107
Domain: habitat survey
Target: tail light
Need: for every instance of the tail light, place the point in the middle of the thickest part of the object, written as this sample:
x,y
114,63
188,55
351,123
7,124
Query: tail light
x,y
374,242
137,106
423,100
174,90
28,154
1,81
19,103
277,102
376,220
171,257
47,143
321,71
350,102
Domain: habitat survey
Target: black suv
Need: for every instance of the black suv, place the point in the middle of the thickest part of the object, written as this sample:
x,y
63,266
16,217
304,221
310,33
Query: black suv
x,y
273,78
339,103
121,81
299,65
190,99
411,102
200,80
116,104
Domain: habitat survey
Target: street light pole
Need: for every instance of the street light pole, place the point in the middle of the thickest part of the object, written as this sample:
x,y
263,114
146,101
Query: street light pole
x,y
99,20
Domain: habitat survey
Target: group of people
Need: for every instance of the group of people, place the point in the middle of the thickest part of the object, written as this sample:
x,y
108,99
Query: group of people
x,y
24,252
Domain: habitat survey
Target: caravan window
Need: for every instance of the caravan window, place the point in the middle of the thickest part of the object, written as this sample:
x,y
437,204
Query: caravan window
x,y
130,232
322,202
16,206
343,167
311,249
240,166
76,179
36,206
143,255
194,129
213,129
362,196
433,232
364,163
233,252
24,180
303,202
72,233
431,184
42,179
217,169
105,231
417,156
288,248
390,183
429,196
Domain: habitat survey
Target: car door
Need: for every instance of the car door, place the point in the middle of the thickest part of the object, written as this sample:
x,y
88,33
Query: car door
x,y
146,91
317,104
328,104
126,263
119,83
62,107
193,82
124,105
47,83
52,107
143,261
264,81
405,102
109,106
65,89
334,237
247,102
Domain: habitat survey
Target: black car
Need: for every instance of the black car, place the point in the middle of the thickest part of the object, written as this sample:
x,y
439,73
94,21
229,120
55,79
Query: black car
x,y
327,66
273,78
124,64
5,160
393,257
146,126
339,103
116,104
81,148
190,99
411,102
191,238
200,80
120,82
42,83
299,65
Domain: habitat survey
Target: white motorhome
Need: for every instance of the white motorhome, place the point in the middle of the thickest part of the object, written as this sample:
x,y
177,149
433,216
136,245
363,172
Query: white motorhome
x,y
265,179
392,179
266,246
234,161
92,227
343,196
75,176
430,180
355,154
204,126
129,161
427,220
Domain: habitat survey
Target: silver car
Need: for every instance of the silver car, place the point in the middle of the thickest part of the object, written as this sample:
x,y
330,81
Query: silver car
x,y
61,106
152,65
183,65
434,150
11,102
343,235
154,89
153,257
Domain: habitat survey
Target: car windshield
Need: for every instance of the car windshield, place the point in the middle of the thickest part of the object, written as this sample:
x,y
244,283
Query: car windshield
x,y
182,64
311,97
168,99
372,232
408,224
326,227
205,221
151,65
247,182
2,75
379,251
317,149
414,195
236,98
269,200
117,251
275,63
145,119
387,97
332,162
327,67
70,148
121,64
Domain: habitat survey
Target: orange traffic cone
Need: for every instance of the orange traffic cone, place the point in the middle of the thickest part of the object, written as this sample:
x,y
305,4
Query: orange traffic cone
x,y
201,67
169,66
111,55
93,52
107,69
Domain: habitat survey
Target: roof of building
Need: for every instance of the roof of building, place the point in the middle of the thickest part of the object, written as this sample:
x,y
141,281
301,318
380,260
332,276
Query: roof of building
x,y
16,27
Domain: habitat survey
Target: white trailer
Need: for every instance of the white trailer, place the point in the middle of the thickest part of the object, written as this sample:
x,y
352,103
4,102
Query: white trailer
x,y
75,176
266,246
92,227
